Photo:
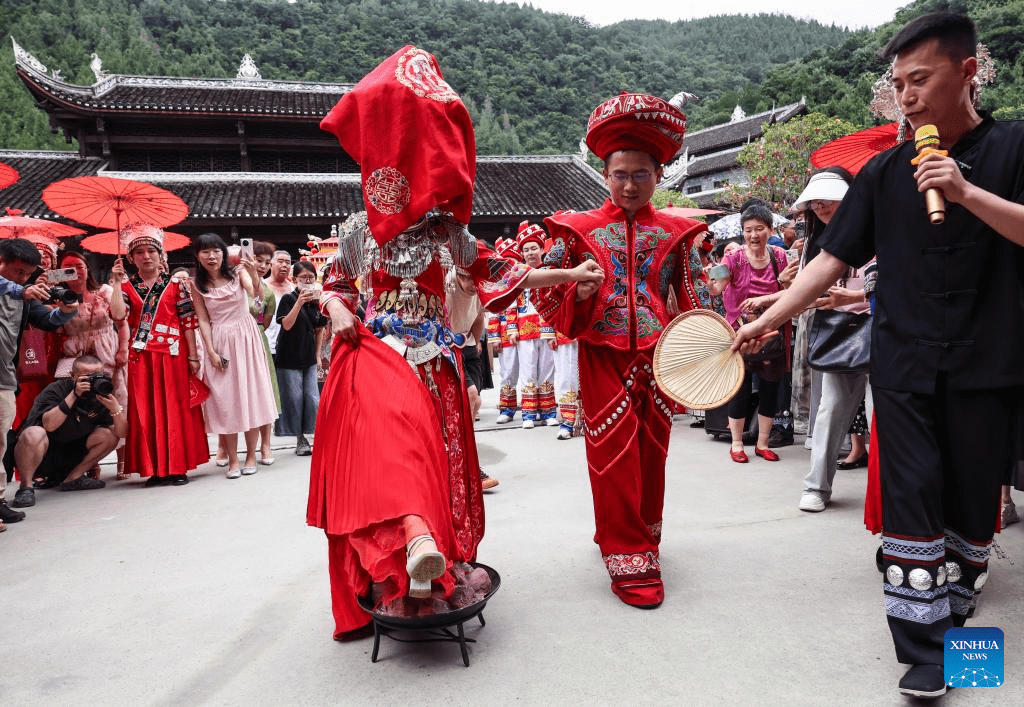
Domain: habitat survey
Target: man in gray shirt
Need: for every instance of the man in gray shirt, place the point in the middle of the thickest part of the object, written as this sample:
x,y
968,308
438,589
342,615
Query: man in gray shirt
x,y
20,306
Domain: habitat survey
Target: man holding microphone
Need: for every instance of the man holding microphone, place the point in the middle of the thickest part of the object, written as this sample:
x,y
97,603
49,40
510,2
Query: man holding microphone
x,y
948,338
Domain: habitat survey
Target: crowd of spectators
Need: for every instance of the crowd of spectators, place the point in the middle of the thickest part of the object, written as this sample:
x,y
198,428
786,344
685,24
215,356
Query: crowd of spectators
x,y
151,362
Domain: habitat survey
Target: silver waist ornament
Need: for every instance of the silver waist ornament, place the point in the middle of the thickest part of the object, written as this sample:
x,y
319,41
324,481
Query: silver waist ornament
x,y
406,256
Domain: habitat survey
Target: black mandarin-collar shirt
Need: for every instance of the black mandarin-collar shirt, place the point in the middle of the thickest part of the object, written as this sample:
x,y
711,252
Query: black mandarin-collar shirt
x,y
950,298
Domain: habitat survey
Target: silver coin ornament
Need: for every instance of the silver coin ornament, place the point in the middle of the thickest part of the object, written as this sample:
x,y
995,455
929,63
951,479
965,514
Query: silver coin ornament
x,y
920,579
953,572
894,575
980,581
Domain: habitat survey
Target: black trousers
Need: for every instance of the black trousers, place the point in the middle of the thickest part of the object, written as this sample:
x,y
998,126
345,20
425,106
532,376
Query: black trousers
x,y
942,460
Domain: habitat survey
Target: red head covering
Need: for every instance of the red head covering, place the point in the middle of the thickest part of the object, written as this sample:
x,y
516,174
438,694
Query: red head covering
x,y
506,248
636,121
413,139
41,239
530,232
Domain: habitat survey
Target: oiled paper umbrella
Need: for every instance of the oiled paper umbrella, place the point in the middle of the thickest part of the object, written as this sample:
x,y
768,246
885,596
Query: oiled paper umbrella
x,y
693,363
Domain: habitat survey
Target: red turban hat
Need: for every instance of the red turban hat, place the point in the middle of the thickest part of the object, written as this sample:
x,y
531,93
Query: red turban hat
x,y
413,139
636,121
530,232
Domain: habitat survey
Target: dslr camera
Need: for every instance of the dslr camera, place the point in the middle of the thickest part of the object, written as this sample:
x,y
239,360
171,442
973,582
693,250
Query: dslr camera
x,y
63,295
100,384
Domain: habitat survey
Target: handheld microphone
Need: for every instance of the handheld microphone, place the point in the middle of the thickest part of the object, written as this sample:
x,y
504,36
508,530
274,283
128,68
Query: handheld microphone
x,y
926,141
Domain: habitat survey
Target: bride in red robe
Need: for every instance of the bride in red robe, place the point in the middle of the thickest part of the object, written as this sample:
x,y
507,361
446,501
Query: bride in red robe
x,y
395,478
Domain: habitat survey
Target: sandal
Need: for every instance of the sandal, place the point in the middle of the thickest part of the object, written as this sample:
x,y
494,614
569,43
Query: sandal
x,y
82,483
122,475
424,565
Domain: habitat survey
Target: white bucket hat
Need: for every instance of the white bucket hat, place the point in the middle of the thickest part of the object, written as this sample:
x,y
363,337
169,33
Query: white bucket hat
x,y
826,186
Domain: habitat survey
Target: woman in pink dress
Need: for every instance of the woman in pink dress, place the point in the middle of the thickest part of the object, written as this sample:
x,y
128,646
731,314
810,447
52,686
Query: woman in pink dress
x,y
241,395
95,332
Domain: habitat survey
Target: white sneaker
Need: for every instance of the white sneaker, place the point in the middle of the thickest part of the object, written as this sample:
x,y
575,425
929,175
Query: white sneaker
x,y
503,418
527,424
808,444
811,502
552,422
564,434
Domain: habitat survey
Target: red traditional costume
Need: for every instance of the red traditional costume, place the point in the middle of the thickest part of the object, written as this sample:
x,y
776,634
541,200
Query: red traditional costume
x,y
504,328
166,434
536,359
628,419
394,432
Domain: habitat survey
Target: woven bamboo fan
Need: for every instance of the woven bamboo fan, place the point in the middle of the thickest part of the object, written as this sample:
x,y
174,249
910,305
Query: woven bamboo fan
x,y
693,363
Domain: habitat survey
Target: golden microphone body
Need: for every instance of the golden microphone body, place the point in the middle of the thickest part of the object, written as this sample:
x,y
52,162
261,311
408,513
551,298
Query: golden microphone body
x,y
926,142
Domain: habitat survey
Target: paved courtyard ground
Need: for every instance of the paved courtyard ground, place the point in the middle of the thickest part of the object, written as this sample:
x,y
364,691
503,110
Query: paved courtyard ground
x,y
216,594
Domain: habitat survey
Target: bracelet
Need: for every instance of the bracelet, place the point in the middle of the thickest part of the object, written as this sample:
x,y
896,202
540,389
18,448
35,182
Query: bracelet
x,y
119,410
194,359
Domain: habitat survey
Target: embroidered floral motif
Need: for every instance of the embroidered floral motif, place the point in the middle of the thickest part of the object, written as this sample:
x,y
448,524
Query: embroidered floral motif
x,y
417,71
632,565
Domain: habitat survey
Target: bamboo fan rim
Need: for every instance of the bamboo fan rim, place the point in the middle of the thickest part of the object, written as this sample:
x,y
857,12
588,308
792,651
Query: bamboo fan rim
x,y
670,369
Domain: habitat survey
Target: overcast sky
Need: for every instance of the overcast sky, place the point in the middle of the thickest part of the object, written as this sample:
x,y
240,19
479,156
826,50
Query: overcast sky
x,y
850,14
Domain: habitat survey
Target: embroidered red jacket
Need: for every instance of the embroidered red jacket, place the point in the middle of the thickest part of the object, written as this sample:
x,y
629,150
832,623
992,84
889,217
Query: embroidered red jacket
x,y
641,260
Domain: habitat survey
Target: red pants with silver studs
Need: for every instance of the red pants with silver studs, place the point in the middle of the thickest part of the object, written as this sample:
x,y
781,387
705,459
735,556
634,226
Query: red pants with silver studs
x,y
628,422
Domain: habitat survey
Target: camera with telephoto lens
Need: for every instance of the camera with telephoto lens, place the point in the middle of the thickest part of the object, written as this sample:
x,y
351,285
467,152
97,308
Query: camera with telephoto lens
x,y
100,384
62,295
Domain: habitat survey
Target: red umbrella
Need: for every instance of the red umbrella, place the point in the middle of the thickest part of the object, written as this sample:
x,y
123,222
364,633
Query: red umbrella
x,y
854,150
106,202
684,212
8,175
15,226
110,243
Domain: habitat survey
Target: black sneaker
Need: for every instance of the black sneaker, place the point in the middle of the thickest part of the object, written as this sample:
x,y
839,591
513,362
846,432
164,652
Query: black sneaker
x,y
24,498
923,681
302,448
8,515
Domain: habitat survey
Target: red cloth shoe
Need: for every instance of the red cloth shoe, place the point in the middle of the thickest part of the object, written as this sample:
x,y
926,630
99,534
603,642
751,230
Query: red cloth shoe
x,y
766,454
739,457
641,593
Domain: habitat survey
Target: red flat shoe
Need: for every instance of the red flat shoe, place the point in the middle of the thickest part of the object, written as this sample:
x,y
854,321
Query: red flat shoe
x,y
766,454
739,457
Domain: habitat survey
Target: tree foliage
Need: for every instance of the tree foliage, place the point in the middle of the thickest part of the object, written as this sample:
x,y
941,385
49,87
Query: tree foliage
x,y
529,77
780,163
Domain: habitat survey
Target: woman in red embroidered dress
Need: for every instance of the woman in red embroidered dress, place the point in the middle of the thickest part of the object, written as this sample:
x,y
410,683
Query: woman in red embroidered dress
x,y
166,435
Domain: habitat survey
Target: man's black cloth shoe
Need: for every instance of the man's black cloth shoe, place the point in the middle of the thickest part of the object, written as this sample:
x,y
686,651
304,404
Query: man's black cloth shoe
x,y
178,479
923,681
24,498
8,515
82,483
157,481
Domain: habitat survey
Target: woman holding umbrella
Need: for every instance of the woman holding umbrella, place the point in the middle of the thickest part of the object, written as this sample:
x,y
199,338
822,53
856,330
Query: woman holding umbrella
x,y
166,434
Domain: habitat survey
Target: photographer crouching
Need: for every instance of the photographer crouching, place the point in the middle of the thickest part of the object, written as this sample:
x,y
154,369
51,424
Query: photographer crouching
x,y
74,423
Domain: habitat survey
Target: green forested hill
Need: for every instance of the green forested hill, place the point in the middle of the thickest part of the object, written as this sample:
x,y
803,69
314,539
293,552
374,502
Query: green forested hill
x,y
529,77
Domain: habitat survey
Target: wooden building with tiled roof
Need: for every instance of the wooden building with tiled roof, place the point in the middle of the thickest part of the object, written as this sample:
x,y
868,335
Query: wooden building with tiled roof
x,y
708,164
248,157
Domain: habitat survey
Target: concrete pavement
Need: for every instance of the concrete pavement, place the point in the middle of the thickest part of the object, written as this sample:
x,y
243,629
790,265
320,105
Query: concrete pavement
x,y
216,593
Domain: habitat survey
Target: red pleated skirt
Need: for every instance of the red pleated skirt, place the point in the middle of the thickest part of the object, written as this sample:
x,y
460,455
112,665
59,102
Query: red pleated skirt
x,y
165,434
390,442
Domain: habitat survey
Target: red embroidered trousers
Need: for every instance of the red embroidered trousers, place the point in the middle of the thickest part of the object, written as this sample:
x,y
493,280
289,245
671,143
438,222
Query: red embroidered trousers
x,y
628,426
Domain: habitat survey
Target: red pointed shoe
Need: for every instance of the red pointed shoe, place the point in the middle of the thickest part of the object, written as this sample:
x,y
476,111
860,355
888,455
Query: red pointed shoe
x,y
739,457
766,454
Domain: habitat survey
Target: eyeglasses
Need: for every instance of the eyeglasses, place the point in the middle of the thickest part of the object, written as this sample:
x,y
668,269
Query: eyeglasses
x,y
641,177
815,204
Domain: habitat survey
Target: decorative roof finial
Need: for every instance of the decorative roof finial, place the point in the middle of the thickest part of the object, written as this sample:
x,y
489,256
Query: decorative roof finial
x,y
682,98
97,67
737,114
247,70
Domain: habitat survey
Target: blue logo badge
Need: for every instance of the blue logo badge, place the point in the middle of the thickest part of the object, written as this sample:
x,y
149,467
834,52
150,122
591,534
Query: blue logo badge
x,y
974,657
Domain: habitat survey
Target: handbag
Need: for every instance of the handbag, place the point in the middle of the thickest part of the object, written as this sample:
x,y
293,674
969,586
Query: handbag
x,y
771,362
32,361
840,342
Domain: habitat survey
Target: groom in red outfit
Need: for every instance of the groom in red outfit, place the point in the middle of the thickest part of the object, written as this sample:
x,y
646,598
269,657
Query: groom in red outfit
x,y
647,256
